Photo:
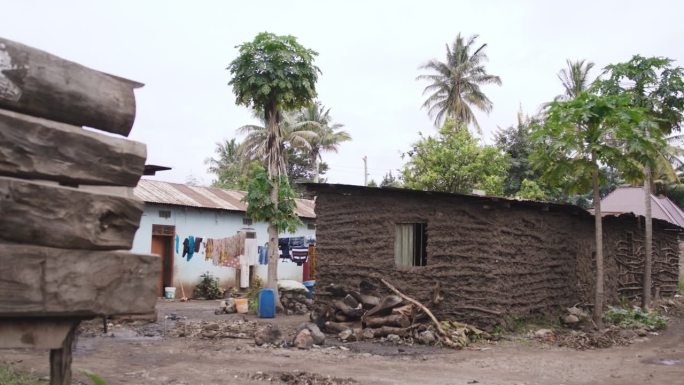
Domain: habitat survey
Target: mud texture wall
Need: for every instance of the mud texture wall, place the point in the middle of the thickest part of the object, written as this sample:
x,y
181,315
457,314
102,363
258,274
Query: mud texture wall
x,y
494,259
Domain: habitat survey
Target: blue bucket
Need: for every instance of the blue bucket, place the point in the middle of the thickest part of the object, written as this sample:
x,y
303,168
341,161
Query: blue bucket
x,y
311,286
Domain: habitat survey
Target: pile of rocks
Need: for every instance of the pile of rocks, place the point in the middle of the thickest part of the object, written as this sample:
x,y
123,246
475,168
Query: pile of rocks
x,y
215,329
305,337
296,301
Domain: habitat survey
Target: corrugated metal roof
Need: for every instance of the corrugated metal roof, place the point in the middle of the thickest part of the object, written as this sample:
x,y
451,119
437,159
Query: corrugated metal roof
x,y
179,194
631,200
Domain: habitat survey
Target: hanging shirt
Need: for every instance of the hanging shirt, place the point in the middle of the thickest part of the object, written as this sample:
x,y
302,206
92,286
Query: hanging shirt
x,y
186,247
177,241
191,247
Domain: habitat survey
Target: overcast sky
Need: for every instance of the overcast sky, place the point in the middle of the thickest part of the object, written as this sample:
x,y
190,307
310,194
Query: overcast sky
x,y
369,52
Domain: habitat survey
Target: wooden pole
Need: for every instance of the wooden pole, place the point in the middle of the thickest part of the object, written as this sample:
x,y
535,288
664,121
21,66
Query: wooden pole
x,y
60,359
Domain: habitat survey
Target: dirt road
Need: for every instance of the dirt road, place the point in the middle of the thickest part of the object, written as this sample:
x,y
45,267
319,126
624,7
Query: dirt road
x,y
130,359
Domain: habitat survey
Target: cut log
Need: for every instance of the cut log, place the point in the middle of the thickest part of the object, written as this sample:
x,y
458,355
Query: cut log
x,y
37,83
337,327
60,359
390,320
49,215
385,306
46,282
351,301
38,333
340,317
406,310
347,310
367,301
42,149
336,290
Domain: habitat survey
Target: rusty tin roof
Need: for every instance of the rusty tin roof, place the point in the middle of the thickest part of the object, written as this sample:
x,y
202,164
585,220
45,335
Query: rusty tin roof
x,y
178,194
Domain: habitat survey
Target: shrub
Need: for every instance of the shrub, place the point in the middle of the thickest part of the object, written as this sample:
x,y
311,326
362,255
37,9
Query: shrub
x,y
253,294
208,287
635,318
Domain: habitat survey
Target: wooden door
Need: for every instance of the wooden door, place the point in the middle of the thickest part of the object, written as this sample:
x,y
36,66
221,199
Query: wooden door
x,y
162,246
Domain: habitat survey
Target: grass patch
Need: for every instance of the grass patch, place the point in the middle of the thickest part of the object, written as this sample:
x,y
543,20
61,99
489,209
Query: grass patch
x,y
11,376
634,318
681,286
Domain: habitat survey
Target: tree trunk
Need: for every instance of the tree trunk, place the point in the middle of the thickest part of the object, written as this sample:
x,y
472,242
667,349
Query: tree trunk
x,y
598,221
275,162
648,243
316,166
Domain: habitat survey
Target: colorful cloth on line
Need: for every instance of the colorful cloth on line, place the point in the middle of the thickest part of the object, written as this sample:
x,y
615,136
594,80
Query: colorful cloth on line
x,y
225,251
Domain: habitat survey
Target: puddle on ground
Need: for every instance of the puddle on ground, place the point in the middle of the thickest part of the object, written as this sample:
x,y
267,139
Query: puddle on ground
x,y
669,361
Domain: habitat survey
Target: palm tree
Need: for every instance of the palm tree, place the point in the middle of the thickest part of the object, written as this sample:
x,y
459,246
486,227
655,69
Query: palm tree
x,y
316,118
455,84
256,145
226,165
575,78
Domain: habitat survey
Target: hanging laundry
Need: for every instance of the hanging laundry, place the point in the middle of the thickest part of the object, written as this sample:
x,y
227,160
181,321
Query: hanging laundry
x,y
251,251
191,247
263,255
186,247
284,247
177,241
231,249
300,255
208,249
198,244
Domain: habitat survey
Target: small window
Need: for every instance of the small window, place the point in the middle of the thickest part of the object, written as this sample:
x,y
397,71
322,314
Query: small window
x,y
410,244
164,214
247,221
311,226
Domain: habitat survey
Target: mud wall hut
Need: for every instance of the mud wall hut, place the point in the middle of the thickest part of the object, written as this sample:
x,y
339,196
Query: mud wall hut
x,y
494,258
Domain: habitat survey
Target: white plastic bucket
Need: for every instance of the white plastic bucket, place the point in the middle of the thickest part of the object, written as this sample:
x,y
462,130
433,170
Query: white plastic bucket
x,y
169,292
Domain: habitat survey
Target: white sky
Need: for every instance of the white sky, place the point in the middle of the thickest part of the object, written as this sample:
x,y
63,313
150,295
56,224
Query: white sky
x,y
369,54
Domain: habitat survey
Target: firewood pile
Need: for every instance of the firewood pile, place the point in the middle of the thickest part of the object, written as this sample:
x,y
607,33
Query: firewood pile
x,y
356,315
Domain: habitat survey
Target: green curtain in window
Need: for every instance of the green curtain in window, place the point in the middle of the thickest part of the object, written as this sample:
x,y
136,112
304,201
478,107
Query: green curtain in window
x,y
403,245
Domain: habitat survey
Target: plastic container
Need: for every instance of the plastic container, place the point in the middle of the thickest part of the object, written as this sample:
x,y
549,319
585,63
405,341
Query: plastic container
x,y
169,292
266,303
311,286
242,305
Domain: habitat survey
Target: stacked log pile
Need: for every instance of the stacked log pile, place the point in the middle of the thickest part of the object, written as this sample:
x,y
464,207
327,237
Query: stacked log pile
x,y
66,202
361,315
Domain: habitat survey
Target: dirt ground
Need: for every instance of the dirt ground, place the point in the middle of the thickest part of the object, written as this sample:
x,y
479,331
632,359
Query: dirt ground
x,y
127,356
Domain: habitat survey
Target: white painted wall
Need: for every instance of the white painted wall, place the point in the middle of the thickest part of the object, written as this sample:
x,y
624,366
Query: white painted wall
x,y
208,223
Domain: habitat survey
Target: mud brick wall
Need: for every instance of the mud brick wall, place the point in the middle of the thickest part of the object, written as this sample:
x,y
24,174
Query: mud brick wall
x,y
494,259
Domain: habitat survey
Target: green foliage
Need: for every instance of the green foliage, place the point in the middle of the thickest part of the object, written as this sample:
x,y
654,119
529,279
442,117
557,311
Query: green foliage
x,y
260,207
372,183
253,294
580,134
208,287
11,376
455,84
531,190
274,73
635,317
96,380
390,180
516,144
454,161
227,166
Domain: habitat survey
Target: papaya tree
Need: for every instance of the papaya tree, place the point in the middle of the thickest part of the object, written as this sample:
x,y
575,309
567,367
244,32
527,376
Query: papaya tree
x,y
580,135
657,86
274,74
